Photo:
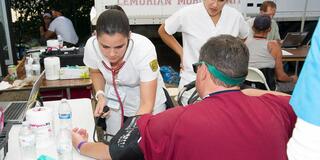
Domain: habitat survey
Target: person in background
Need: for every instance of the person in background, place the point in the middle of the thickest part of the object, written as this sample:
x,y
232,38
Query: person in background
x,y
268,8
266,55
305,141
46,20
62,26
94,33
124,71
197,23
227,124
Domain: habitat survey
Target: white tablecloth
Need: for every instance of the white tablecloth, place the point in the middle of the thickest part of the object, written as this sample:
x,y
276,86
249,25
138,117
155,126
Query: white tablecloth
x,y
82,117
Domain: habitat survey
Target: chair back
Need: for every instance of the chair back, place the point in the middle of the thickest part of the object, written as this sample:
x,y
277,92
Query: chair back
x,y
255,75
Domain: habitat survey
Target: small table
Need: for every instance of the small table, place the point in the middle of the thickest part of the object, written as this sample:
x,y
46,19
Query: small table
x,y
298,54
82,117
66,84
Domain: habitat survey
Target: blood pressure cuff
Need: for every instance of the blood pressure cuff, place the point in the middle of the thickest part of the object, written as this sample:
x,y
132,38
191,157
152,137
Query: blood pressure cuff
x,y
124,145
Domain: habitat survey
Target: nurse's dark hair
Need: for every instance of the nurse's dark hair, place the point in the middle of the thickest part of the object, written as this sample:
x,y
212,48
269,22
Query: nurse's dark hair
x,y
117,7
113,21
228,54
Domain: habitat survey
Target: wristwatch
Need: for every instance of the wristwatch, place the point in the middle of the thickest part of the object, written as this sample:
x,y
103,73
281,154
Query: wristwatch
x,y
98,93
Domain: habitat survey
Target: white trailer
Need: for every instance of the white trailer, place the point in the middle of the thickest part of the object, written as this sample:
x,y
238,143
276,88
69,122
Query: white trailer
x,y
145,12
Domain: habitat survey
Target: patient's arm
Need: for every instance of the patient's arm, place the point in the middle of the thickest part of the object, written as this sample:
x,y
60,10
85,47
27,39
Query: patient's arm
x,y
90,149
96,150
124,145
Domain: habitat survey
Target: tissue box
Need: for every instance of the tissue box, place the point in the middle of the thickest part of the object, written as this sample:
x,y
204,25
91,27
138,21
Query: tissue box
x,y
74,72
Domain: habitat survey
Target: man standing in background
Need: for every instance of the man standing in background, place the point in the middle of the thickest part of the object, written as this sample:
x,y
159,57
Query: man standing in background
x,y
268,8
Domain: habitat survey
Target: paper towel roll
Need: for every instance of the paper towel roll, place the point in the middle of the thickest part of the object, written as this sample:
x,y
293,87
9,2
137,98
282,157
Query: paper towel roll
x,y
52,68
53,43
40,119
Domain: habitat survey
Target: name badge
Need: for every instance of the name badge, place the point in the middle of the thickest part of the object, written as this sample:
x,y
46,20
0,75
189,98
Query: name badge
x,y
112,100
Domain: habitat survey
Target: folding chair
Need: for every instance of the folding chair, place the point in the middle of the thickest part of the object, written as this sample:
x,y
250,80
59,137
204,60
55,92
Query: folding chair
x,y
194,96
255,75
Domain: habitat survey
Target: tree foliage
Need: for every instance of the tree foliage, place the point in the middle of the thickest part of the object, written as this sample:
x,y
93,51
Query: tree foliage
x,y
30,15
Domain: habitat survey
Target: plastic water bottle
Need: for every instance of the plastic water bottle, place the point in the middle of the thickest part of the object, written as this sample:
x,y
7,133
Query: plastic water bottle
x,y
60,41
27,142
36,68
64,139
28,67
64,147
65,115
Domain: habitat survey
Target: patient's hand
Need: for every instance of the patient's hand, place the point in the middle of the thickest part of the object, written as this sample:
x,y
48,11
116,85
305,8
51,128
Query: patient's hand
x,y
79,135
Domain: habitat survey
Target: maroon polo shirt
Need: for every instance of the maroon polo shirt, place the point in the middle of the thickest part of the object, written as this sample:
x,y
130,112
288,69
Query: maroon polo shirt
x,y
224,126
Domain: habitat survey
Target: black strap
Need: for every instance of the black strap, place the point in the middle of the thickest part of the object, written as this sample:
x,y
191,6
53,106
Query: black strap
x,y
124,145
169,103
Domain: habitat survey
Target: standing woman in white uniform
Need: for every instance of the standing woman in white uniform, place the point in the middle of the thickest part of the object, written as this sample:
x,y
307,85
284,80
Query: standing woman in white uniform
x,y
124,71
197,23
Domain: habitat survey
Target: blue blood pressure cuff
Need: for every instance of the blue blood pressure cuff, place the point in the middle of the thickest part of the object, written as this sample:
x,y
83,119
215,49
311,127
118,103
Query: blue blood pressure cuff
x,y
124,145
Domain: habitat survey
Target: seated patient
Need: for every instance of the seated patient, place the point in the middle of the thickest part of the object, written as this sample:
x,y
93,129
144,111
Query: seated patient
x,y
227,124
266,55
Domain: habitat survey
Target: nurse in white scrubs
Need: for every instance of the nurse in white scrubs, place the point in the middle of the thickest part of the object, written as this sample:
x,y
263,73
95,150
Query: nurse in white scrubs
x,y
124,70
197,23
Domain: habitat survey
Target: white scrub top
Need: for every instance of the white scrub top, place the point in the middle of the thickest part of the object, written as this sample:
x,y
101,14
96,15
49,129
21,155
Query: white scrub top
x,y
140,66
197,27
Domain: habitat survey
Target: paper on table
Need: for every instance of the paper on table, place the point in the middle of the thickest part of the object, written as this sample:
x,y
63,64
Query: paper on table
x,y
286,53
5,85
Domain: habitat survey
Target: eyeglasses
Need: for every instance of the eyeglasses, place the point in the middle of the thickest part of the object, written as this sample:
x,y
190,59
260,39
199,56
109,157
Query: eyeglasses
x,y
195,66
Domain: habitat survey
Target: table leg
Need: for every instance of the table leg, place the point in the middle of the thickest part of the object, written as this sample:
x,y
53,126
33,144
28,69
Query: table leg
x,y
68,93
296,68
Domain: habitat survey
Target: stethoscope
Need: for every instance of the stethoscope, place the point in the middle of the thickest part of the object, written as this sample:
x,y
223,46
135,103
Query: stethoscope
x,y
115,72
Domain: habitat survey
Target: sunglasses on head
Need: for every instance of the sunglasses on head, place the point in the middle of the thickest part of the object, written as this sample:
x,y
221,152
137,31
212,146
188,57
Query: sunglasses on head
x,y
218,74
195,66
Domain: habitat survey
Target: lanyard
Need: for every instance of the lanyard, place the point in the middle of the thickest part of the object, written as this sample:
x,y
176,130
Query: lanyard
x,y
114,72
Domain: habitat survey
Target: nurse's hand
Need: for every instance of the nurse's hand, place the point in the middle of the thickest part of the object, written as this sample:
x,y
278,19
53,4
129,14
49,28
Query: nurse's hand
x,y
99,107
106,111
181,67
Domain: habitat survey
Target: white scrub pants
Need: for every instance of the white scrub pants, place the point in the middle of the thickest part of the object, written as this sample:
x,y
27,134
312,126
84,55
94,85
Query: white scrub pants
x,y
113,121
305,142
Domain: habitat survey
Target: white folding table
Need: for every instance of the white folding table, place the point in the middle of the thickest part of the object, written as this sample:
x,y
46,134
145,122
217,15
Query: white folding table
x,y
82,117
